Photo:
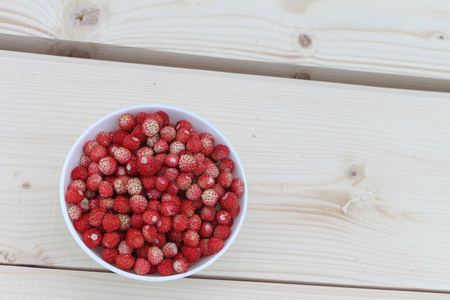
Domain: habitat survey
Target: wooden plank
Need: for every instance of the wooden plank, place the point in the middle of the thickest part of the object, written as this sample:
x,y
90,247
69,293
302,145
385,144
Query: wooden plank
x,y
320,40
36,283
311,150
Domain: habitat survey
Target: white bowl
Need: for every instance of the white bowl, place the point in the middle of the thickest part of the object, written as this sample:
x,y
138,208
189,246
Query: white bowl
x,y
110,123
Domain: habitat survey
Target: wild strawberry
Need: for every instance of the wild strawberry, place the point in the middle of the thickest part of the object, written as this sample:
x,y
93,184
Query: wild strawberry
x,y
180,266
204,249
171,160
155,117
206,181
96,216
151,216
195,222
139,133
88,146
98,152
134,238
153,194
147,165
138,204
160,240
125,262
74,195
169,208
225,179
192,254
92,238
123,155
210,197
124,221
89,195
237,186
120,185
109,179
93,169
187,208
82,224
84,205
132,168
164,224
206,230
143,251
176,147
226,165
79,173
103,139
124,248
93,204
168,133
222,232
118,136
110,255
140,117
191,238
161,183
230,224
173,198
230,201
220,152
164,117
137,221
111,222
74,212
134,186
182,123
85,161
207,146
198,204
235,212
160,158
110,240
141,266
155,255
183,135
105,189
165,268
79,183
180,222
184,181
211,168
161,146
148,182
144,151
170,173
122,205
173,188
169,250
223,217
131,143
149,233
150,127
127,122
175,236
107,165
207,136
219,190
215,244
194,145
121,171
152,140
193,192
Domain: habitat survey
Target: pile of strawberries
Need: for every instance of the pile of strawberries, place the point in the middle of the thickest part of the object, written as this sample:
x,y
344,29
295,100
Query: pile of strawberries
x,y
156,196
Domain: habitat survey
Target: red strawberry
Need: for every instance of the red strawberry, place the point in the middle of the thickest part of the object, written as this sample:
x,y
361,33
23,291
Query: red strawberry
x,y
92,238
151,140
210,197
215,244
175,236
153,194
187,208
161,183
169,250
134,186
169,208
107,165
150,216
160,240
168,133
124,222
193,192
105,189
150,127
183,135
118,136
157,118
206,230
149,233
111,222
122,205
84,205
164,224
74,212
237,186
207,146
127,122
176,147
88,146
211,168
134,238
144,151
172,160
164,117
143,251
139,133
226,165
125,262
138,204
223,217
165,268
191,238
110,240
85,161
154,205
79,183
222,232
230,201
103,138
93,182
137,221
121,171
225,179
124,248
140,117
123,155
173,188
161,146
131,143
94,169
148,182
180,265
235,212
110,255
195,222
184,181
96,216
98,152
194,145
219,189
220,152
147,165
180,222
94,203
192,254
141,266
120,185
171,173
206,181
79,173
155,255
82,224
187,163
206,135
132,168
204,249
74,196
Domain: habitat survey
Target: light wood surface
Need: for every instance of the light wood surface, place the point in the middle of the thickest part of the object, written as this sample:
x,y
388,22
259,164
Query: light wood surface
x,y
348,184
16,282
320,40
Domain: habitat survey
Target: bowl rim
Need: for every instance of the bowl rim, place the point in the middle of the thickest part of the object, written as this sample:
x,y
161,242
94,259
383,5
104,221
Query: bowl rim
x,y
157,277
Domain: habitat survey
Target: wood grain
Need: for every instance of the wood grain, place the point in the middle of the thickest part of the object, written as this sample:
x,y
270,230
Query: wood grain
x,y
308,148
36,283
314,39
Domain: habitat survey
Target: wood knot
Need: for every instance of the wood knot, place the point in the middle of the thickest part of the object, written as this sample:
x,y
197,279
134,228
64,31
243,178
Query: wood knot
x,y
355,173
304,40
26,185
86,15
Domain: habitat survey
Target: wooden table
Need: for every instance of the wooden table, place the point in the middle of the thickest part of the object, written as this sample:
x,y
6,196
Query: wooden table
x,y
348,183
